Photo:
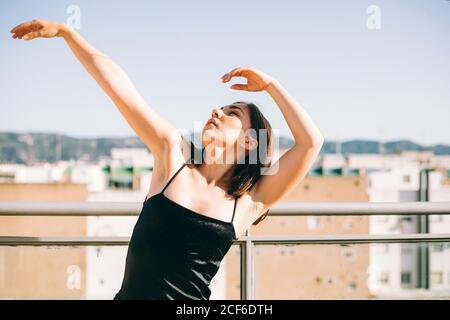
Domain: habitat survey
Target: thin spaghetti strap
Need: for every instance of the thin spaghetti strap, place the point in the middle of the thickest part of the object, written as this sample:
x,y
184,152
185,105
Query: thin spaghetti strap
x,y
234,209
173,176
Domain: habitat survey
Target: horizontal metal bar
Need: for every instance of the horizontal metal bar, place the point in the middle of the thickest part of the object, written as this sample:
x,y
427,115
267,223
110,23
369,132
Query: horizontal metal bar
x,y
360,208
64,241
69,208
351,239
259,240
59,208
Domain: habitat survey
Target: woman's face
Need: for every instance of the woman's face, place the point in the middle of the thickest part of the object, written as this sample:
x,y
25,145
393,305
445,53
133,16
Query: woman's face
x,y
227,125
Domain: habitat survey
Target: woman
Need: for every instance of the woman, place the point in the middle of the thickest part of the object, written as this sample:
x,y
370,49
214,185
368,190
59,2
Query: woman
x,y
182,234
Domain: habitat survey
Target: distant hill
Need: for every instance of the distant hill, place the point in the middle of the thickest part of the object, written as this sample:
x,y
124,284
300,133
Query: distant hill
x,y
48,147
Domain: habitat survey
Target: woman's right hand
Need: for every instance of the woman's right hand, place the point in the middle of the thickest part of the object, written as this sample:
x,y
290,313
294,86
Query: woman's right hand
x,y
256,80
37,29
155,131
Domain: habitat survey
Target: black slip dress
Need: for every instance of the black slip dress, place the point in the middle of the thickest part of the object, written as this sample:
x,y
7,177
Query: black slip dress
x,y
174,252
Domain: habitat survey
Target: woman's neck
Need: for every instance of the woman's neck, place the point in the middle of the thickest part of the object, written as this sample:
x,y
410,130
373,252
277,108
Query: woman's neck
x,y
215,167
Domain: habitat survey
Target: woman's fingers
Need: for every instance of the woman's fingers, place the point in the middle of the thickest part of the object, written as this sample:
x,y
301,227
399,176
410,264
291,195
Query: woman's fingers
x,y
237,72
32,35
226,77
27,34
21,32
16,28
240,87
22,26
23,29
256,81
18,33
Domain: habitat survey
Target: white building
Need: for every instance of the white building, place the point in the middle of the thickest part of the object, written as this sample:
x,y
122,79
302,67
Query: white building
x,y
137,157
38,173
394,268
91,175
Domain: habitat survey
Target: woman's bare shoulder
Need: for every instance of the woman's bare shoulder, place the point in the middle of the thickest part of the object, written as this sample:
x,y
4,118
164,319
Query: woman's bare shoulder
x,y
247,206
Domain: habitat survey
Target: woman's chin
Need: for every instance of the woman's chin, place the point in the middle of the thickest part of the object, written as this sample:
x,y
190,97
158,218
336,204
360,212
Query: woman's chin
x,y
208,134
211,129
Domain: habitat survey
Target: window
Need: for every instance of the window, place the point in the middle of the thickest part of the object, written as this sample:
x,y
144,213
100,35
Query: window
x,y
349,254
313,222
406,219
437,247
330,280
384,278
348,224
436,277
383,248
407,250
351,286
436,218
384,218
406,277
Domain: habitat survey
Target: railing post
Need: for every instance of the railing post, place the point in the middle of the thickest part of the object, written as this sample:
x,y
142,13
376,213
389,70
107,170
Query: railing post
x,y
423,227
250,270
247,269
243,270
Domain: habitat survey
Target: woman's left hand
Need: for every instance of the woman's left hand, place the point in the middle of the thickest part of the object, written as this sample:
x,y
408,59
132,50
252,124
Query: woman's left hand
x,y
256,80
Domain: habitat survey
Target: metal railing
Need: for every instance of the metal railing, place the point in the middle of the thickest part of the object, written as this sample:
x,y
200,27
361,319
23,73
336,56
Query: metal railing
x,y
247,243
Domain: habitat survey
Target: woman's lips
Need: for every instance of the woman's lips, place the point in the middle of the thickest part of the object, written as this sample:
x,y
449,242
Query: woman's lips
x,y
211,121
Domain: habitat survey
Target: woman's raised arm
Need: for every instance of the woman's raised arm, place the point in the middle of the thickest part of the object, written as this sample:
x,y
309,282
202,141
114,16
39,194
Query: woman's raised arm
x,y
155,132
289,170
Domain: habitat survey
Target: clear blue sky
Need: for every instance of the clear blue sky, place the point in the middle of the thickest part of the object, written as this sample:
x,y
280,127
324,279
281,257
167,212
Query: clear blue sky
x,y
356,83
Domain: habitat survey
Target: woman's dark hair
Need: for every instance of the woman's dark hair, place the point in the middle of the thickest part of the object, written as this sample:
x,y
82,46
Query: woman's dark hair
x,y
245,175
